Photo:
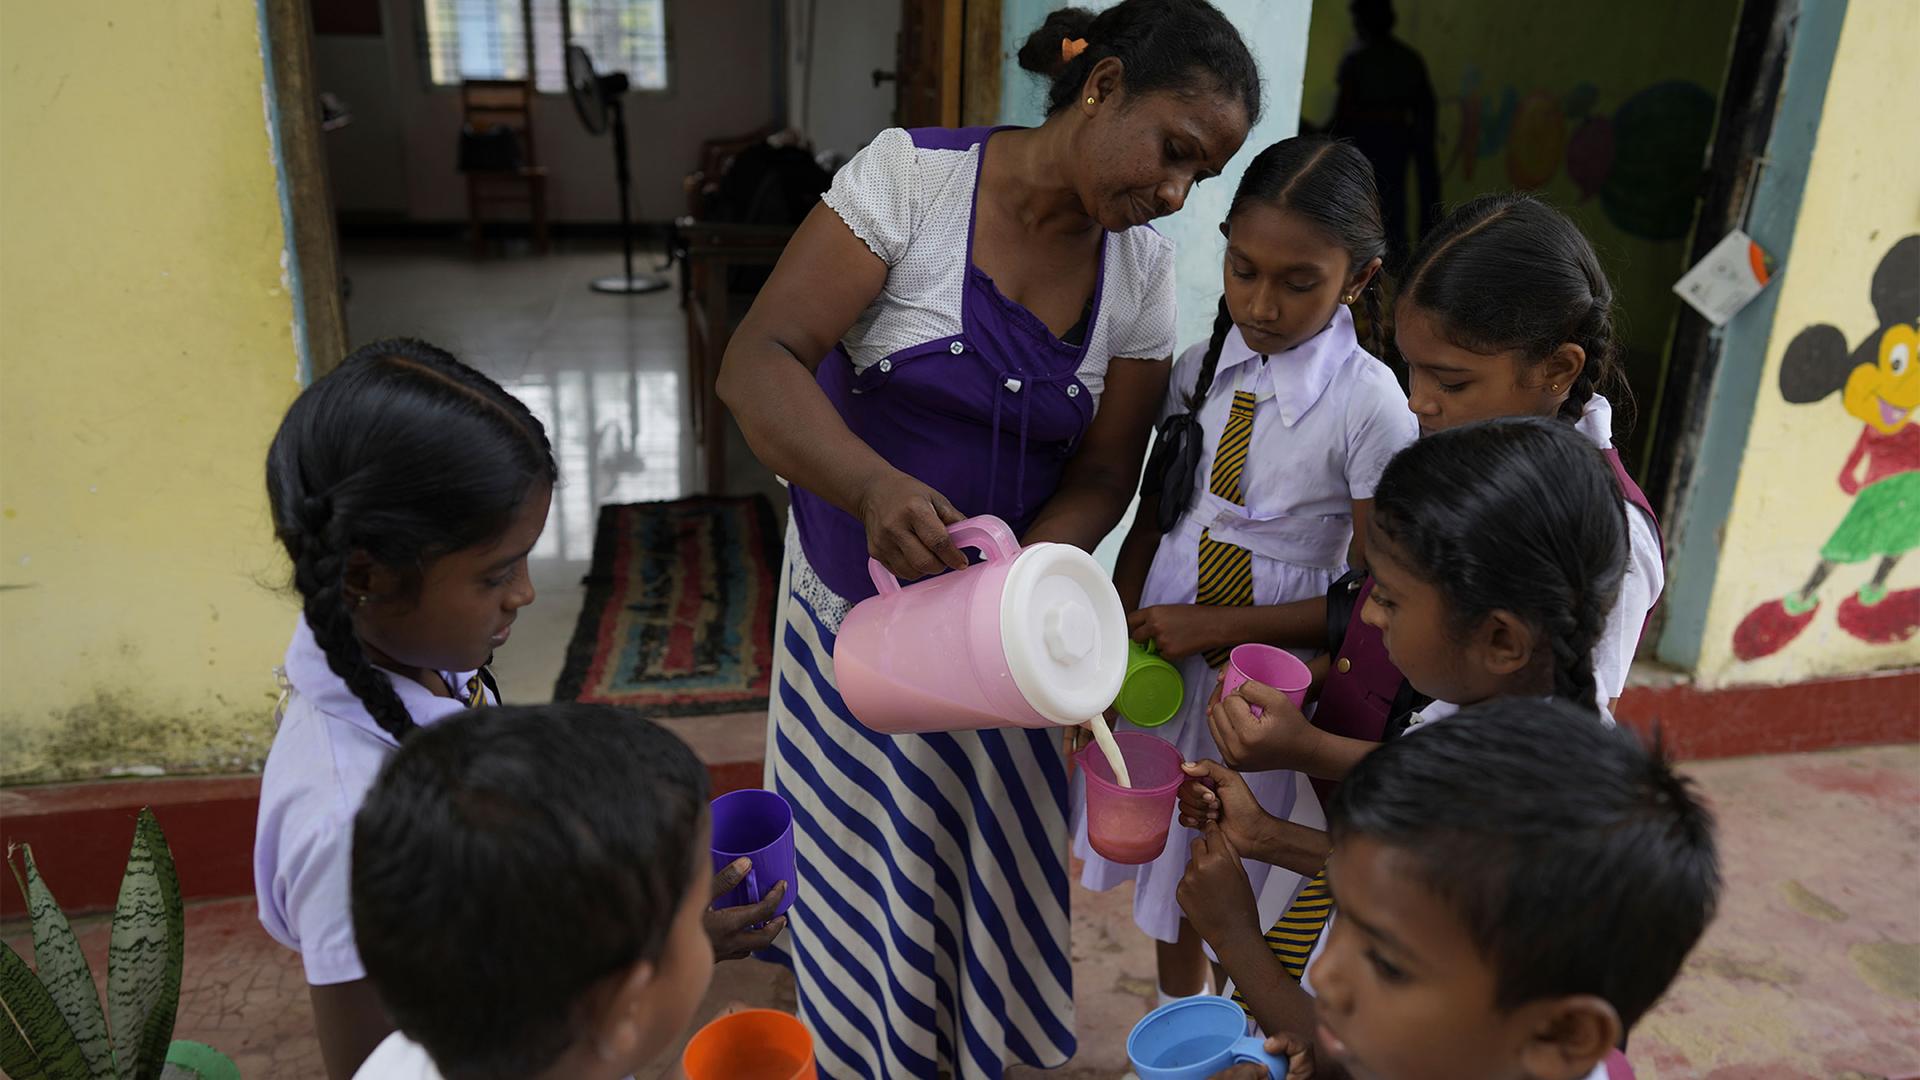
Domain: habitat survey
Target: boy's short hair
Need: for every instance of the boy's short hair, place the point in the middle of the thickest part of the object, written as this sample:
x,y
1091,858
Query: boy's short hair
x,y
506,861
1578,860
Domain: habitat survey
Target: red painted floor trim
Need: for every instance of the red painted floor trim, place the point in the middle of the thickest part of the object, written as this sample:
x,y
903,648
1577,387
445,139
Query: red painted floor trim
x,y
1748,720
80,832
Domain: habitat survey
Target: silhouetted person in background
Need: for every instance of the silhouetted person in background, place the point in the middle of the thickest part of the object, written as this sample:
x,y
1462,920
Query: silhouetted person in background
x,y
1385,106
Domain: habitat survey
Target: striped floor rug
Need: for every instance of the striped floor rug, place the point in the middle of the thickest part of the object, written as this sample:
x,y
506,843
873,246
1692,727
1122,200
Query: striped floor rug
x,y
678,619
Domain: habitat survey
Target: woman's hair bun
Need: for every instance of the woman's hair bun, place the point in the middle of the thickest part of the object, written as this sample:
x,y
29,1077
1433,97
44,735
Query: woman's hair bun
x,y
1041,54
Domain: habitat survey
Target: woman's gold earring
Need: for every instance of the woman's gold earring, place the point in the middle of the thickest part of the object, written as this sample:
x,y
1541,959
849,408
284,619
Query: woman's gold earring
x,y
1554,389
1090,101
1347,299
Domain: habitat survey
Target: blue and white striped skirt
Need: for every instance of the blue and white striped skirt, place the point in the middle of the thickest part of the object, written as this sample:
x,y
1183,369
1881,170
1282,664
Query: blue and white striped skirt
x,y
930,933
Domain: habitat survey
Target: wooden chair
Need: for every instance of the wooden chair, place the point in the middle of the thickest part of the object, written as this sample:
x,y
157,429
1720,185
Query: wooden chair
x,y
490,103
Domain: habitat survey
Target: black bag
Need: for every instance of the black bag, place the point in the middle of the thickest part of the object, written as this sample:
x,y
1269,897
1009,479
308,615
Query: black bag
x,y
769,185
1177,448
496,149
766,185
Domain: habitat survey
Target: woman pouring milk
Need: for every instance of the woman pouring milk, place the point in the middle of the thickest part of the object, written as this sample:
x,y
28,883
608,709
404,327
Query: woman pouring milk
x,y
973,322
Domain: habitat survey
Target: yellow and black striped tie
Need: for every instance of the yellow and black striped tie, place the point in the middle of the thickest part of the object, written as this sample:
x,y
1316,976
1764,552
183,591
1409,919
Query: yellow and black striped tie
x,y
476,694
1226,571
1294,934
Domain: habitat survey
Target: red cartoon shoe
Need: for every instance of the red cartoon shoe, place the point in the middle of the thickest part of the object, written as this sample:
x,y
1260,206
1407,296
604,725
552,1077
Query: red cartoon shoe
x,y
1772,626
1879,617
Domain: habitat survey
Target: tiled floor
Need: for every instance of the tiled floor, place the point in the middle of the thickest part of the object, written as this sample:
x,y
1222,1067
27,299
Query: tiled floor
x,y
1811,972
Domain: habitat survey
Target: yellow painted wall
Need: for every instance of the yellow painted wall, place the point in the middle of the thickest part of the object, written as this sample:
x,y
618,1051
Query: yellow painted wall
x,y
146,354
1862,195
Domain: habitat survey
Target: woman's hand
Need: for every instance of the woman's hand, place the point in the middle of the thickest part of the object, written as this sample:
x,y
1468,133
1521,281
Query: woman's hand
x,y
1280,738
1215,892
1218,796
732,930
1177,630
906,524
1078,737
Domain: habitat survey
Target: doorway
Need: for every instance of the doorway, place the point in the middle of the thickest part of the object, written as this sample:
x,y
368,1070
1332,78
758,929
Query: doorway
x,y
1605,110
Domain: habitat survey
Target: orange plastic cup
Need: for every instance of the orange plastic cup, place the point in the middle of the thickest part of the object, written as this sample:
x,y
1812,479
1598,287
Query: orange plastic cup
x,y
753,1044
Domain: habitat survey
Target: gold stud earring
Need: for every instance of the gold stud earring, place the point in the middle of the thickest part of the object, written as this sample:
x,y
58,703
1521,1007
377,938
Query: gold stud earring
x,y
1090,101
1554,389
1347,299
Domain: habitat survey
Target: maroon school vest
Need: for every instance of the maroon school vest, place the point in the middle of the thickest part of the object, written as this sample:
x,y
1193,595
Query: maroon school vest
x,y
1361,685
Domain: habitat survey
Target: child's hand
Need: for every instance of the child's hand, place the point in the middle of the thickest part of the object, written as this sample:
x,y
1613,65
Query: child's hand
x,y
1177,630
1215,892
732,929
1199,806
1281,738
1217,795
1297,1051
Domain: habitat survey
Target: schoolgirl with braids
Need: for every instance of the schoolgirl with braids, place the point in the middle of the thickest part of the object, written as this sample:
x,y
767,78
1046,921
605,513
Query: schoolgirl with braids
x,y
408,490
1497,551
1507,312
1272,438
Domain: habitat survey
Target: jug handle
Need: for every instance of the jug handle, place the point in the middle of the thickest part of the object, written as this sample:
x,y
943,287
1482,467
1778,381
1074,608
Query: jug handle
x,y
1253,1051
987,533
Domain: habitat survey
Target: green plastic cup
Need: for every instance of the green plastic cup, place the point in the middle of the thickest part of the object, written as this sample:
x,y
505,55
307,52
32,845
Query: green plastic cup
x,y
1153,689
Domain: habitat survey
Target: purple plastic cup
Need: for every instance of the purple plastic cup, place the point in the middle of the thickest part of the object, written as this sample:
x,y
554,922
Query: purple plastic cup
x,y
758,824
1266,664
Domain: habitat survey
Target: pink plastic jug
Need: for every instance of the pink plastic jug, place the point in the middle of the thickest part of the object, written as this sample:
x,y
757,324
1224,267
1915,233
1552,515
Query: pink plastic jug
x,y
1031,637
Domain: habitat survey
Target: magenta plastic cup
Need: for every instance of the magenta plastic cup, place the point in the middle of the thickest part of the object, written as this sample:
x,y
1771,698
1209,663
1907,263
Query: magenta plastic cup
x,y
1129,825
1271,666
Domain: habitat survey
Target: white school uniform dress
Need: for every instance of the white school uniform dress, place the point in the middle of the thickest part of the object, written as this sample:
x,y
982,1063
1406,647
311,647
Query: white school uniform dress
x,y
1328,416
1639,590
325,756
398,1058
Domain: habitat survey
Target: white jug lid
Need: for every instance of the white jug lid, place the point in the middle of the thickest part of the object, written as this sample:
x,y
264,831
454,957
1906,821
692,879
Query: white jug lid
x,y
1064,632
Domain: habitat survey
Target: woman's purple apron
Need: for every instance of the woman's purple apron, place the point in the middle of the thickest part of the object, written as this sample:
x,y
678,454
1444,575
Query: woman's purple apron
x,y
987,417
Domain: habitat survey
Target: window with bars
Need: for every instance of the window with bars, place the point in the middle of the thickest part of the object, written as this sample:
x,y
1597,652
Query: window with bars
x,y
488,39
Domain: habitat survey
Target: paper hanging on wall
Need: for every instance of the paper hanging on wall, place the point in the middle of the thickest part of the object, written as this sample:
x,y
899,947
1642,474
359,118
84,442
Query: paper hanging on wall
x,y
1731,275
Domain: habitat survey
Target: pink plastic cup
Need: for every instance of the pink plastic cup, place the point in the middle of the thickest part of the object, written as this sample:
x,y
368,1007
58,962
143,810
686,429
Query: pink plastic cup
x,y
1277,668
1129,825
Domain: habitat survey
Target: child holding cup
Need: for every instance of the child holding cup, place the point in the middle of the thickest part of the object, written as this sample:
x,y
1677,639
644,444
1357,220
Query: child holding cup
x,y
1273,435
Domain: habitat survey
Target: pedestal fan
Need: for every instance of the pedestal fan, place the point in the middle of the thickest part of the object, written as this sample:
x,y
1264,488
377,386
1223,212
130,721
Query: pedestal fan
x,y
597,98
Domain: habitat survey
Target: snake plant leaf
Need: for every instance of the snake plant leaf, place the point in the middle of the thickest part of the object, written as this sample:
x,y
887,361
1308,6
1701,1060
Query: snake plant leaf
x,y
144,958
63,969
187,1060
35,1041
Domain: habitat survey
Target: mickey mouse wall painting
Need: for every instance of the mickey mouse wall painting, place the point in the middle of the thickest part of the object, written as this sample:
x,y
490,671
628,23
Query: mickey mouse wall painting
x,y
1878,383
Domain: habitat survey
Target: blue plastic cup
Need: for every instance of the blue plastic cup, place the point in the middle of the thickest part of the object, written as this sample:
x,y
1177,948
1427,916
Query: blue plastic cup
x,y
1194,1038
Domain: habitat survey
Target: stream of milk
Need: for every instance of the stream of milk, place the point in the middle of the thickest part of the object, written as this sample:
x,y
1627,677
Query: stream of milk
x,y
1103,737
